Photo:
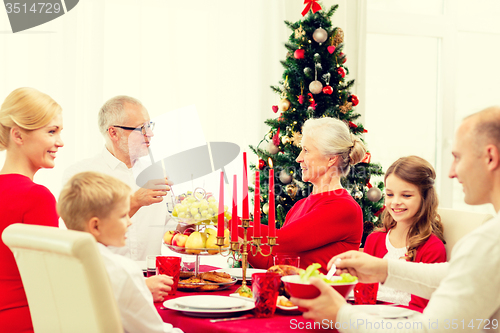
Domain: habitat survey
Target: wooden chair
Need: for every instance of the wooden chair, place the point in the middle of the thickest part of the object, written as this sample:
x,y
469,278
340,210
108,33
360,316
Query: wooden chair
x,y
66,283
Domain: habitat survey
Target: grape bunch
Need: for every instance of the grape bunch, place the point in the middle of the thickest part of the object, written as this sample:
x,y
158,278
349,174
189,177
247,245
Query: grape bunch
x,y
197,206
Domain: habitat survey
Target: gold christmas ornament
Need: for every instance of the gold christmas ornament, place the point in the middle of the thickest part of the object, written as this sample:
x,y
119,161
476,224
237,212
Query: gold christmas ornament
x,y
296,139
284,104
338,38
291,190
346,107
299,33
265,208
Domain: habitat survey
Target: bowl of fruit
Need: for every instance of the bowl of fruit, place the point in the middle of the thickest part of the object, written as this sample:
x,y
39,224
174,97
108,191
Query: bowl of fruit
x,y
300,287
195,240
197,207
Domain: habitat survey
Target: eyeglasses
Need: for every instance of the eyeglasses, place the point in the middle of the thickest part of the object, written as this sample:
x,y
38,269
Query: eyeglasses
x,y
143,128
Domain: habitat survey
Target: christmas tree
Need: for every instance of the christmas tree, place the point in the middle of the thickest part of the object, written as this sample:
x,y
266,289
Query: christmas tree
x,y
314,85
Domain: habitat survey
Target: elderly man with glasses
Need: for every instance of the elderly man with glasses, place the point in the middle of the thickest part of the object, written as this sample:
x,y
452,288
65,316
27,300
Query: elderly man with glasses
x,y
125,124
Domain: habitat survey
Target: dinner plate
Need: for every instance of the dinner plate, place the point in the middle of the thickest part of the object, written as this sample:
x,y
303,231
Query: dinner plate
x,y
210,302
238,272
386,311
207,313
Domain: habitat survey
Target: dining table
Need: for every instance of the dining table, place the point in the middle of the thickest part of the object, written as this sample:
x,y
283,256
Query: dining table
x,y
281,321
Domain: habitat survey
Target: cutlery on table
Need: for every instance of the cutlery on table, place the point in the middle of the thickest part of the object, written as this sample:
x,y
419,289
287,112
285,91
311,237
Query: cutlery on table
x,y
229,319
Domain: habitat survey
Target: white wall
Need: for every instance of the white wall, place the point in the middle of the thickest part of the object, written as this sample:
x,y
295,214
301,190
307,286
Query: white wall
x,y
220,56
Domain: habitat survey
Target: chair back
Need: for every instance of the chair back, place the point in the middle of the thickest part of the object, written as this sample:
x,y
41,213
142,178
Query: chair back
x,y
457,223
67,286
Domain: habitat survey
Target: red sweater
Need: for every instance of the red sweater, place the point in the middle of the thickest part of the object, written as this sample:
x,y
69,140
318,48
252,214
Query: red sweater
x,y
432,251
21,201
316,229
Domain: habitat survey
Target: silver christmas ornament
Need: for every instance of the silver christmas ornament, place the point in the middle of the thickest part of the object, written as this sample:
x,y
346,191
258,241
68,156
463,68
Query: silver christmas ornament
x,y
315,87
320,35
374,194
272,149
285,177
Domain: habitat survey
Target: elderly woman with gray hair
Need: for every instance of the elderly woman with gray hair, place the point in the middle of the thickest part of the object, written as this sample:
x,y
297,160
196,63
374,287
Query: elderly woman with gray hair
x,y
329,221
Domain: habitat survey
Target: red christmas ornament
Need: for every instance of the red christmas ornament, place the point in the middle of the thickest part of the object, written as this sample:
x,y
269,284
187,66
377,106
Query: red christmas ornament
x,y
331,49
367,158
343,57
354,100
379,211
276,138
353,125
341,71
328,90
262,164
311,100
299,54
275,108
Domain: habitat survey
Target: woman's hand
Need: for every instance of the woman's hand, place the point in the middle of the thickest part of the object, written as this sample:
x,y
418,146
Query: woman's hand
x,y
325,306
367,268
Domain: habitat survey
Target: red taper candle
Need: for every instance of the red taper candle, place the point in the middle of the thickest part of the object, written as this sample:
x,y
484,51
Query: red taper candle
x,y
234,218
256,207
245,213
272,208
220,220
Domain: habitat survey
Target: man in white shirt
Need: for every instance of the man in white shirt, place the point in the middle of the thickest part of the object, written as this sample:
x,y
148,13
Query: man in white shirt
x,y
464,293
126,127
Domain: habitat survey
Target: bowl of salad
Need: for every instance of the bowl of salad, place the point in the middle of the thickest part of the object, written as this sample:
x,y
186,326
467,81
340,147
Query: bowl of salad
x,y
300,287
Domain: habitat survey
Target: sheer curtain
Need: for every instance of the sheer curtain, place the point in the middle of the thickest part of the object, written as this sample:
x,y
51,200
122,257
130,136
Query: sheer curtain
x,y
220,56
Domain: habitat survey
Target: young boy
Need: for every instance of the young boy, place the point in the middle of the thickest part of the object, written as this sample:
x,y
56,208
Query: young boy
x,y
99,204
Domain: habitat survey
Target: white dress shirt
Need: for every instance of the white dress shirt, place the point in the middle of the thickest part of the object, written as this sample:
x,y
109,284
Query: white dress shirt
x,y
149,223
465,292
133,297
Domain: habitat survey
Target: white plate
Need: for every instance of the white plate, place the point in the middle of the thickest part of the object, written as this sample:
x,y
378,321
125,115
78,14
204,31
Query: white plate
x,y
242,297
207,313
209,302
238,272
386,311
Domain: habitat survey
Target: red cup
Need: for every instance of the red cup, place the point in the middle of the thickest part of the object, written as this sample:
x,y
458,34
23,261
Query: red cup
x,y
365,293
171,266
265,288
287,259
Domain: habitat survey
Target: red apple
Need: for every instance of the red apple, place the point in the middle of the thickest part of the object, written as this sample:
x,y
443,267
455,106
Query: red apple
x,y
188,231
169,235
179,240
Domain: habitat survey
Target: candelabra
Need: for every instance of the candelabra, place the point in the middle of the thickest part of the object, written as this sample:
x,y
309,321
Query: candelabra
x,y
243,247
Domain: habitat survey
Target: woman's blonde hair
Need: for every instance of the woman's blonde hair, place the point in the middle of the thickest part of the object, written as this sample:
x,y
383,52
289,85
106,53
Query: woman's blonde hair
x,y
332,137
417,171
28,109
87,195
